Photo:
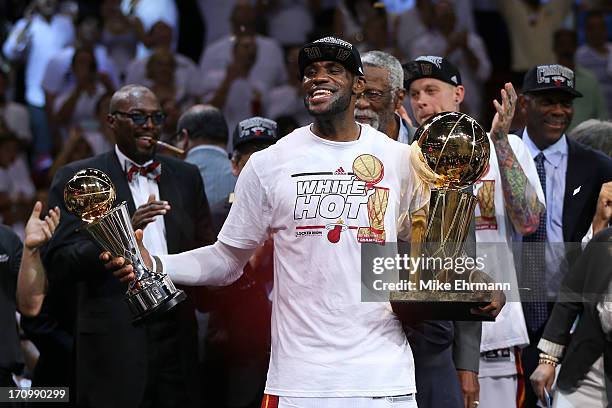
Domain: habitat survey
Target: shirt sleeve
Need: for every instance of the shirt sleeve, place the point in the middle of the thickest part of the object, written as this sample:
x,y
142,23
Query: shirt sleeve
x,y
248,223
11,48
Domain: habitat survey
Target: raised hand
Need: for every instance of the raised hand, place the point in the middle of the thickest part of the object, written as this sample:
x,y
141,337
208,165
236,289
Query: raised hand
x,y
505,112
37,231
146,213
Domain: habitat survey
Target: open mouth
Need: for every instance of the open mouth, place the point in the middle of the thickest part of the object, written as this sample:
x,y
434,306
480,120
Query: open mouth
x,y
145,141
555,124
320,95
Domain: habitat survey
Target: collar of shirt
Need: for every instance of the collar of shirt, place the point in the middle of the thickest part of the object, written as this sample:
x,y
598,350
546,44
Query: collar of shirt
x,y
125,162
553,153
404,133
208,147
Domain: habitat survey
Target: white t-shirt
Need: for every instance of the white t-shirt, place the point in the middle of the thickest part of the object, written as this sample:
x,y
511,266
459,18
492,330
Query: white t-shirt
x,y
325,341
494,227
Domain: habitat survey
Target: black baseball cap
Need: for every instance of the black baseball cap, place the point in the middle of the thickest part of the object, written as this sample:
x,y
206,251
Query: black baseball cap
x,y
331,49
550,77
431,66
255,129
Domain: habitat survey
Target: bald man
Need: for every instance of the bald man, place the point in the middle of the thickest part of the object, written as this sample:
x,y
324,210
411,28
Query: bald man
x,y
152,365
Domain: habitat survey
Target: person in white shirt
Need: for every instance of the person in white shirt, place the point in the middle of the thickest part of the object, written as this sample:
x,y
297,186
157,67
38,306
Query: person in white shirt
x,y
328,348
510,201
36,38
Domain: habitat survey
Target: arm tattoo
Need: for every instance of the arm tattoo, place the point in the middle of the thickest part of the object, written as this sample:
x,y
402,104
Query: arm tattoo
x,y
520,197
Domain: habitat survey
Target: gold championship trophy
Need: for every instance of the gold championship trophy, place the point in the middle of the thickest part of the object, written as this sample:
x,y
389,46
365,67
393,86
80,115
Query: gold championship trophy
x,y
90,195
453,151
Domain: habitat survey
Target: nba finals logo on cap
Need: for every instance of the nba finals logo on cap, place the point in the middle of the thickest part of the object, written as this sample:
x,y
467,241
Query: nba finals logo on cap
x,y
555,74
437,61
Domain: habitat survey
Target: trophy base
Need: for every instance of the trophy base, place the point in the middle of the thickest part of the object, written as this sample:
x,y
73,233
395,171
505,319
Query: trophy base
x,y
414,306
152,295
177,298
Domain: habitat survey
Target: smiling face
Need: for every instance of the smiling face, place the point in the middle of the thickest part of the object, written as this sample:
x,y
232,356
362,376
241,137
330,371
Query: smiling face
x,y
548,115
429,96
136,142
328,88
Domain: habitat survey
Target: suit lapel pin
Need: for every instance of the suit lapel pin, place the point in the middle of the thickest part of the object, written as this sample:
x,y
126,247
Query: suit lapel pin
x,y
576,190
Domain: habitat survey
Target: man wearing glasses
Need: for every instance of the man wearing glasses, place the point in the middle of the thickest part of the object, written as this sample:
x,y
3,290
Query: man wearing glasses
x,y
383,96
117,364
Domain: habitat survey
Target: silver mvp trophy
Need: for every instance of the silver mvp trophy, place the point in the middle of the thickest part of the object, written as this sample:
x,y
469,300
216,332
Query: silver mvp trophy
x,y
90,195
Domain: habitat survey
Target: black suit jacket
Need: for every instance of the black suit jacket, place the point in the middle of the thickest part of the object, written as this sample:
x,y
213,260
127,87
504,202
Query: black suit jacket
x,y
583,287
587,170
11,359
111,354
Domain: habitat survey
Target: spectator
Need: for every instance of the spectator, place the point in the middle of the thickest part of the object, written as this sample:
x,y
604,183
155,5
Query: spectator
x,y
592,105
59,76
597,134
175,70
289,21
145,14
528,20
234,89
267,68
287,99
14,115
463,49
118,36
76,106
202,133
596,53
36,38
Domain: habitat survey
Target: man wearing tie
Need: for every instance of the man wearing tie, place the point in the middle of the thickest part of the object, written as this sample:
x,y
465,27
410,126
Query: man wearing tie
x,y
571,176
152,365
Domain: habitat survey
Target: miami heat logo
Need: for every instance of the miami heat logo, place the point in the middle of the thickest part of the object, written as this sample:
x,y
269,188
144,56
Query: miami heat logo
x,y
370,169
330,203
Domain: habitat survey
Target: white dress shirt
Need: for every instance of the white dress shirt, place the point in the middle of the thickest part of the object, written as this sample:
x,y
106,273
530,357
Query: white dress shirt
x,y
141,187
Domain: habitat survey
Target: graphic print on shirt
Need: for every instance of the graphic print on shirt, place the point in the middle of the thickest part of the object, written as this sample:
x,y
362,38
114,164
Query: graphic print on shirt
x,y
486,203
337,198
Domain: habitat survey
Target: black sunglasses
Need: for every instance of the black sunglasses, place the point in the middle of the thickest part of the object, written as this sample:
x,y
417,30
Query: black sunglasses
x,y
139,119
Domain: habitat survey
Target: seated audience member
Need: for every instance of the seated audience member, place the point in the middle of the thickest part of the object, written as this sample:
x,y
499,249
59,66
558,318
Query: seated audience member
x,y
76,106
145,15
163,78
597,134
14,115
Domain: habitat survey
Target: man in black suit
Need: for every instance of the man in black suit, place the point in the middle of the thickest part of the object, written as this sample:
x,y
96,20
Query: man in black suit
x,y
117,364
572,176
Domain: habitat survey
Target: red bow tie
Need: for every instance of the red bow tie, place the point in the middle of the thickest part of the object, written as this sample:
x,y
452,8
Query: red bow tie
x,y
152,171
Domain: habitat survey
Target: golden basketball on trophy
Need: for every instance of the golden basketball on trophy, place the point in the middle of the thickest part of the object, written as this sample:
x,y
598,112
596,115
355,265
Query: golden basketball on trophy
x,y
90,195
455,150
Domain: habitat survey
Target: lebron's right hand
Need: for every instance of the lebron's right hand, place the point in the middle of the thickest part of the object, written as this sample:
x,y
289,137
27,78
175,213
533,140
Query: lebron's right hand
x,y
118,266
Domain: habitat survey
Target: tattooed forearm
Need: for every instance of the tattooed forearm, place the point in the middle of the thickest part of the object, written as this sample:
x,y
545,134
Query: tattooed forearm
x,y
520,196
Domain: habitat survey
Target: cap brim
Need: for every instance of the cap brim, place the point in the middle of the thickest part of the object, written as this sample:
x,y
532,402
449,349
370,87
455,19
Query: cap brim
x,y
570,91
